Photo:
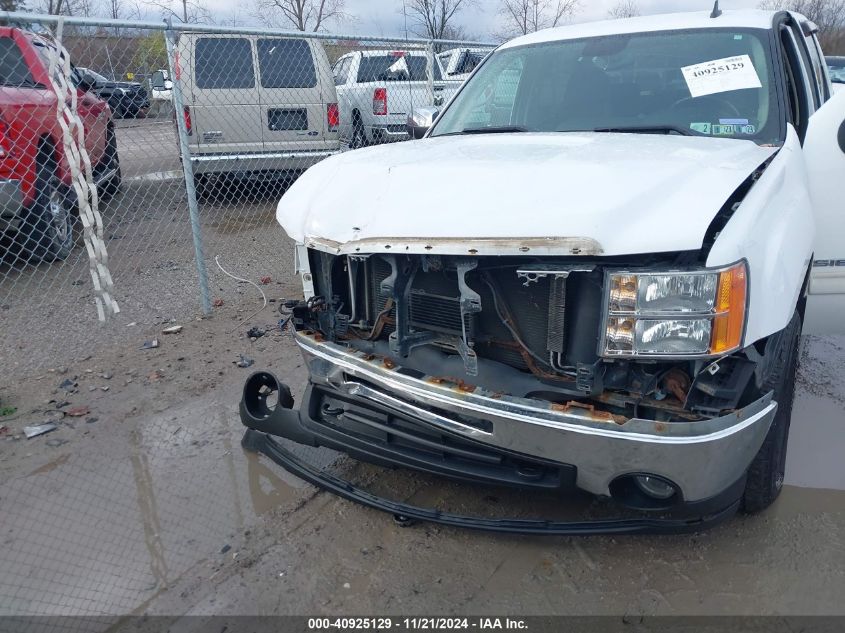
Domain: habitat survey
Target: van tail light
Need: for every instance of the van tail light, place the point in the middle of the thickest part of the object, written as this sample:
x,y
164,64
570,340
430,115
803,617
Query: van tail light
x,y
189,124
332,116
380,101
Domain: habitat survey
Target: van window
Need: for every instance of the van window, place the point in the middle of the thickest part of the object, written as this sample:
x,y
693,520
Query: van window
x,y
286,63
13,68
392,67
224,63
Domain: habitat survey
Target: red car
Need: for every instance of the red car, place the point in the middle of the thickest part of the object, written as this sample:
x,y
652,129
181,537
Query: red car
x,y
37,202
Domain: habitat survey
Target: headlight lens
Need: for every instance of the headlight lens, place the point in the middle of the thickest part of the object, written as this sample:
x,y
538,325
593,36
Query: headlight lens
x,y
675,314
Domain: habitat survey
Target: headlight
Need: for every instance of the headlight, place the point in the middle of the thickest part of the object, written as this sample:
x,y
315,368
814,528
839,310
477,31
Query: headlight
x,y
699,313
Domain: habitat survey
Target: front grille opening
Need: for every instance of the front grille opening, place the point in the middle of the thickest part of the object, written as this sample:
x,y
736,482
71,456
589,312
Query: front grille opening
x,y
537,308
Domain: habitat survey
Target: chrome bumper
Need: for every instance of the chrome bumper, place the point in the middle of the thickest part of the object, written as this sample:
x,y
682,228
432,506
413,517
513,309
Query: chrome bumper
x,y
267,161
703,458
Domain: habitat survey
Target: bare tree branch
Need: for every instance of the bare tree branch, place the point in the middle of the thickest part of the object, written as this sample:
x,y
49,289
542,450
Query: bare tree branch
x,y
186,11
527,16
302,15
435,18
624,9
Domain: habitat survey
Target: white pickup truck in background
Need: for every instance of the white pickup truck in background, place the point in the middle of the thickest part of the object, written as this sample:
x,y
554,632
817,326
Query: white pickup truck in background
x,y
456,64
378,89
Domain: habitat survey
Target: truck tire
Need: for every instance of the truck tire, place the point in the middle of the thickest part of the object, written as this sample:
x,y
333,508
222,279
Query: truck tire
x,y
764,479
359,136
48,227
111,163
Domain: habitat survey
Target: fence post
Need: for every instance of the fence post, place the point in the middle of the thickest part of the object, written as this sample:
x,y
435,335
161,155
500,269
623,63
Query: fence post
x,y
187,168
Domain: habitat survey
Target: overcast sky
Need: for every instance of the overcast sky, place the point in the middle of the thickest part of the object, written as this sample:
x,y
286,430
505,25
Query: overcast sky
x,y
384,17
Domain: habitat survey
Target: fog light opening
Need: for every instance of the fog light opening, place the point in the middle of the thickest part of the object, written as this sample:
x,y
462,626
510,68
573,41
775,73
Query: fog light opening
x,y
655,487
645,491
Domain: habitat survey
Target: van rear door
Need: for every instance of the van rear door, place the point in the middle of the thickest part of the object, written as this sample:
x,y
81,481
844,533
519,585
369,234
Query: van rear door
x,y
293,108
223,95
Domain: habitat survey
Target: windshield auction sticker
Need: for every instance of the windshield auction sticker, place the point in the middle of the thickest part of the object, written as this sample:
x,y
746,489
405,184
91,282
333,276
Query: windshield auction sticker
x,y
721,75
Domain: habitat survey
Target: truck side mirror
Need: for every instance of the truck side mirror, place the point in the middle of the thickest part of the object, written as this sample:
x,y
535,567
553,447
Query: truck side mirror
x,y
168,85
420,121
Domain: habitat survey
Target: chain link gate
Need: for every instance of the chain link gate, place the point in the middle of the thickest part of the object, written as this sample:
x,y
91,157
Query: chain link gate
x,y
137,162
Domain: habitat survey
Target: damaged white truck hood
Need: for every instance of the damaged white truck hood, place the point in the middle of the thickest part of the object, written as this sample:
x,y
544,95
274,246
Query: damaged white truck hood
x,y
573,193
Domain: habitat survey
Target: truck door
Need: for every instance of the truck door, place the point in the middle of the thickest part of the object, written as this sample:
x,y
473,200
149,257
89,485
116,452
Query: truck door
x,y
222,94
824,155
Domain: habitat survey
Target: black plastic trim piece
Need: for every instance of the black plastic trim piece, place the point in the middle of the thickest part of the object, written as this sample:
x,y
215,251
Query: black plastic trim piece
x,y
260,442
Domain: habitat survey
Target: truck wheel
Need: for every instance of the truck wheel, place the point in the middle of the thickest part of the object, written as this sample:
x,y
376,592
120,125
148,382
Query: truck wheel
x,y
111,163
359,136
764,479
49,225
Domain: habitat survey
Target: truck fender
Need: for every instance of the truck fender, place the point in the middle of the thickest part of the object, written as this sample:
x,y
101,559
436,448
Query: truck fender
x,y
773,230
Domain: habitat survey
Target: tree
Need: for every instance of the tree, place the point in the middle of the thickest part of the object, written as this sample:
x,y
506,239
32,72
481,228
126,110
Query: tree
x,y
302,15
624,9
185,11
435,18
151,53
12,5
527,16
829,16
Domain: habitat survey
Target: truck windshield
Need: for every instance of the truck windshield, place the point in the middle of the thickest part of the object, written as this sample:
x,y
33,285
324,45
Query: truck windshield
x,y
708,82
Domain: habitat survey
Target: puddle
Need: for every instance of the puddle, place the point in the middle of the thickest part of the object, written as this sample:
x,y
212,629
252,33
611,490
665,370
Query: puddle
x,y
118,521
816,437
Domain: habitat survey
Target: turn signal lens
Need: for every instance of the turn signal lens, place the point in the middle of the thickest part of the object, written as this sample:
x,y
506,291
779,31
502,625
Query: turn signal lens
x,y
730,310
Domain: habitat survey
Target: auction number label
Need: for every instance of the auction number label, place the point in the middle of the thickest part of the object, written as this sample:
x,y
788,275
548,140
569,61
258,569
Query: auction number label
x,y
721,75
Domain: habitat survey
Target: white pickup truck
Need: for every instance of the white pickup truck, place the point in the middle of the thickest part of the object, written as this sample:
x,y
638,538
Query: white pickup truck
x,y
611,295
378,89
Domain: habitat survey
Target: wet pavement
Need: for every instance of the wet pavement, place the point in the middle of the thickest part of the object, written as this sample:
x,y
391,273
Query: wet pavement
x,y
167,514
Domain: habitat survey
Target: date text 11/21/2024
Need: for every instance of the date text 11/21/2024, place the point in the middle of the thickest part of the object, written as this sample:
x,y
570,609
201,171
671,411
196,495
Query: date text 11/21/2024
x,y
417,624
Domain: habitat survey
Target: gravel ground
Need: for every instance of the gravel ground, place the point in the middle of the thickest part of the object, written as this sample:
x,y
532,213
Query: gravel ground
x,y
142,501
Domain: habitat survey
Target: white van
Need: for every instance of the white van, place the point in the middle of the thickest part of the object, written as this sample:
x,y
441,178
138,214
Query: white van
x,y
256,103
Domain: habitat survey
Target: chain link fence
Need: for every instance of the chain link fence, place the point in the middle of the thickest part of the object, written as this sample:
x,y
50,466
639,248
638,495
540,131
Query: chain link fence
x,y
137,162
102,217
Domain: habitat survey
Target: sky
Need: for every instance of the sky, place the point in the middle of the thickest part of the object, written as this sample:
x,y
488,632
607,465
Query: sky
x,y
384,17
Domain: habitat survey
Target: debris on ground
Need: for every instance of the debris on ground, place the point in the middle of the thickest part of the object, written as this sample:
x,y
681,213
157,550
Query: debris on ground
x,y
244,361
91,420
77,411
106,375
173,329
4,430
155,376
255,332
38,429
133,324
217,303
225,549
151,344
68,385
266,280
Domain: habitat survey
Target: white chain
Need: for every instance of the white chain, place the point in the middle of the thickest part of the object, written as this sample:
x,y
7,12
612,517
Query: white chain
x,y
82,177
